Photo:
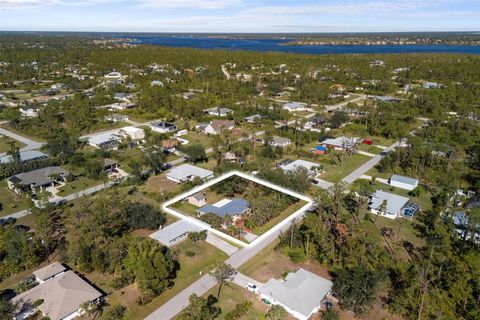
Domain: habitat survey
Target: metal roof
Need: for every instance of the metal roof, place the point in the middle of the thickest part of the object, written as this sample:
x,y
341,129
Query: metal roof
x,y
175,230
226,207
394,202
299,163
403,179
25,156
187,171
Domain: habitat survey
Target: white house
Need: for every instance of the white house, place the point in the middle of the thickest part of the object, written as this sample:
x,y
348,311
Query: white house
x,y
116,117
294,106
188,172
301,293
403,182
113,76
62,294
29,112
280,141
175,233
340,143
393,205
163,127
156,83
132,132
219,112
217,126
289,165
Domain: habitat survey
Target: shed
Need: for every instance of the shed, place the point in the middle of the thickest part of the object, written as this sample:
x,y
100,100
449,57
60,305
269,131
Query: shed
x,y
403,182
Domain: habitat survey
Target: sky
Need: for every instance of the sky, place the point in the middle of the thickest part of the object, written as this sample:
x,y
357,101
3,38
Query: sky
x,y
224,16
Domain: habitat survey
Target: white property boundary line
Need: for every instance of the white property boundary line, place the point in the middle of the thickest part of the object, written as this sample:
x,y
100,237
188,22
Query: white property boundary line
x,y
299,212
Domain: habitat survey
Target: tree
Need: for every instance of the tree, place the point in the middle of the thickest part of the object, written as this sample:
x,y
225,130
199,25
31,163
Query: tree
x,y
356,287
14,152
116,312
195,153
201,308
276,312
222,272
338,119
7,309
150,265
154,158
62,142
241,310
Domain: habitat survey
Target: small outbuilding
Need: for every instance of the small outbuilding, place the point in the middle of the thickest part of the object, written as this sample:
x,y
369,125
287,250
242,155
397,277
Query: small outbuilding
x,y
403,182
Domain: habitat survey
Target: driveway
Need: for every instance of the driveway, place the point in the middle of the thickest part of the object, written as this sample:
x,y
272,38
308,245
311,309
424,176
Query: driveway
x,y
221,244
242,280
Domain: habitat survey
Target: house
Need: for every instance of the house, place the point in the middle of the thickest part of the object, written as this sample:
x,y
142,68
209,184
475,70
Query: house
x,y
253,118
229,157
37,180
163,127
113,76
62,294
315,123
280,141
122,96
197,199
387,99
104,141
217,126
394,206
431,85
49,272
219,112
119,106
461,222
289,165
109,165
56,86
132,132
116,117
29,112
234,208
402,182
340,143
301,293
25,156
319,150
188,172
294,106
175,233
170,144
155,83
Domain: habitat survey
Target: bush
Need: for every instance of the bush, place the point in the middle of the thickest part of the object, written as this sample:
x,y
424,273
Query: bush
x,y
116,313
297,255
190,253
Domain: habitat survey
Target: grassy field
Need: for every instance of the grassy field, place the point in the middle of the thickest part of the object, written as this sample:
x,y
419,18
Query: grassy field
x,y
10,204
206,256
231,295
20,133
335,173
270,263
198,138
5,146
77,185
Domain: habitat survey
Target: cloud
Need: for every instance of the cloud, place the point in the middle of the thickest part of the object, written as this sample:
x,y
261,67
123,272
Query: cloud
x,y
193,4
19,4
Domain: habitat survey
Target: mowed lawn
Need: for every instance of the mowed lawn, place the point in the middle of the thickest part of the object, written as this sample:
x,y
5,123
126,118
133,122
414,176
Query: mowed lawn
x,y
5,144
205,258
10,203
198,138
336,172
231,295
77,185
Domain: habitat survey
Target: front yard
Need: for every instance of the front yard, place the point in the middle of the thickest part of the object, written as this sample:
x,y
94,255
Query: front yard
x,y
335,171
77,185
10,202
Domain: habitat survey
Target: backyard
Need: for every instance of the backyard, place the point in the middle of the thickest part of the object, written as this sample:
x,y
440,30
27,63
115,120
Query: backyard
x,y
10,202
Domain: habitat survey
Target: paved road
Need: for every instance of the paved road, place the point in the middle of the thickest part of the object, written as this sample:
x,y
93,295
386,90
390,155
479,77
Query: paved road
x,y
221,244
344,103
225,72
30,144
360,171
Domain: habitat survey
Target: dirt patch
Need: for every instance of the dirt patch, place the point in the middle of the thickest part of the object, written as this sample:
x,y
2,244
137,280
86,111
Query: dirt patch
x,y
160,183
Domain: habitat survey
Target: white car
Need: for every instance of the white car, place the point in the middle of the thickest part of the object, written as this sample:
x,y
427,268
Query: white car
x,y
252,287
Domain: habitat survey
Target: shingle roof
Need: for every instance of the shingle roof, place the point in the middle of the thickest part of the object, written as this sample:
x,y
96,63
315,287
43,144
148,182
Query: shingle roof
x,y
301,291
226,207
49,271
62,295
174,230
37,177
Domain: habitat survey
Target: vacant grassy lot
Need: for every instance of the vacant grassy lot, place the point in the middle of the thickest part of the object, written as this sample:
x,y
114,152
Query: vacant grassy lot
x,y
5,143
10,202
336,172
160,183
270,263
77,185
206,256
231,295
198,138
282,216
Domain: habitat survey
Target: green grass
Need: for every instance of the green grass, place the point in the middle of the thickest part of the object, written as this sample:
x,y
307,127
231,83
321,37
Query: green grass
x,y
335,173
231,295
21,133
185,207
206,256
77,185
10,204
198,138
5,146
372,149
282,216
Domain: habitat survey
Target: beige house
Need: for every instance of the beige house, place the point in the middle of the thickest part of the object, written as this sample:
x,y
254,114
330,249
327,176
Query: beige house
x,y
197,199
62,291
217,126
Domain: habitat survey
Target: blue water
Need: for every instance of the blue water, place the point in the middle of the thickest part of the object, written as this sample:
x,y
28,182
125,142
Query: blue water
x,y
276,45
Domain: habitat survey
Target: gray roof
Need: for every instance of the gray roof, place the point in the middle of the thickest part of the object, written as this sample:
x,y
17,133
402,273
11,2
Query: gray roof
x,y
198,196
187,171
293,105
293,165
25,156
174,231
163,125
226,207
62,295
341,142
253,117
403,179
280,141
49,271
394,202
103,138
301,291
39,177
220,111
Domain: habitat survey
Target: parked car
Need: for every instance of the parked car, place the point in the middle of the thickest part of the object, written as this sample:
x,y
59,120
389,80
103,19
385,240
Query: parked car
x,y
252,287
7,221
